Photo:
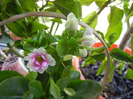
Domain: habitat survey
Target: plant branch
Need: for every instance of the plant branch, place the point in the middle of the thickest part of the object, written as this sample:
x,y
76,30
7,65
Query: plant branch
x,y
104,6
29,14
61,16
14,50
126,37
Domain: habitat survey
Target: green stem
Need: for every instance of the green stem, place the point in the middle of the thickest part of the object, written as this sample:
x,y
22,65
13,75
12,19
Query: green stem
x,y
56,28
51,27
14,50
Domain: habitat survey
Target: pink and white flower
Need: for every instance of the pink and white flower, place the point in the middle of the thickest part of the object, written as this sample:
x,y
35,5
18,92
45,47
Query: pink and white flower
x,y
39,60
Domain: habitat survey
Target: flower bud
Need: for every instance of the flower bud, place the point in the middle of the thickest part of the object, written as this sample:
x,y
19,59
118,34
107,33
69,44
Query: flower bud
x,y
89,31
82,52
71,23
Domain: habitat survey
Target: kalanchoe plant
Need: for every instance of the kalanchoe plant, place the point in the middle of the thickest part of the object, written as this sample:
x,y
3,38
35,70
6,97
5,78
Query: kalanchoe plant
x,y
48,56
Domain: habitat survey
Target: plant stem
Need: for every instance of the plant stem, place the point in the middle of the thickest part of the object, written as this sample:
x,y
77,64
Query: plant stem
x,y
61,16
126,37
14,50
51,27
104,6
56,28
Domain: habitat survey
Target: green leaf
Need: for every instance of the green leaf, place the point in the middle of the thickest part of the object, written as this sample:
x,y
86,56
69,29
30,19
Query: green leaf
x,y
74,75
28,5
91,19
121,55
36,89
6,38
18,44
27,95
84,89
66,72
54,89
115,24
69,91
8,74
112,70
102,67
29,46
67,6
31,76
13,88
100,3
85,2
129,12
99,56
56,20
111,38
35,26
129,74
120,68
65,47
132,44
62,83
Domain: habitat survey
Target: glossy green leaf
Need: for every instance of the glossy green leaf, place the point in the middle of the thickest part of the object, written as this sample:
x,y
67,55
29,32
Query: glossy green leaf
x,y
99,56
85,2
69,91
62,83
74,75
100,3
54,89
129,74
31,76
36,89
13,88
112,70
120,55
102,67
115,24
56,20
65,47
35,26
6,38
67,6
28,5
27,95
84,89
129,12
66,72
91,19
8,74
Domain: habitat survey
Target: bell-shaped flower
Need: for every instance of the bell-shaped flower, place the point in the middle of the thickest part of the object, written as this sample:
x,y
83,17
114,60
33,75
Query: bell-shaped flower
x,y
39,60
71,23
87,40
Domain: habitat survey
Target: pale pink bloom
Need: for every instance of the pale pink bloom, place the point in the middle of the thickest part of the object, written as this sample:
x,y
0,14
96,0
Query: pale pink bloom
x,y
39,60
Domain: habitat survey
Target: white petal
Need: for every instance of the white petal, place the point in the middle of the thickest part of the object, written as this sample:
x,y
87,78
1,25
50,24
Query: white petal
x,y
40,50
89,31
51,60
87,44
26,58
